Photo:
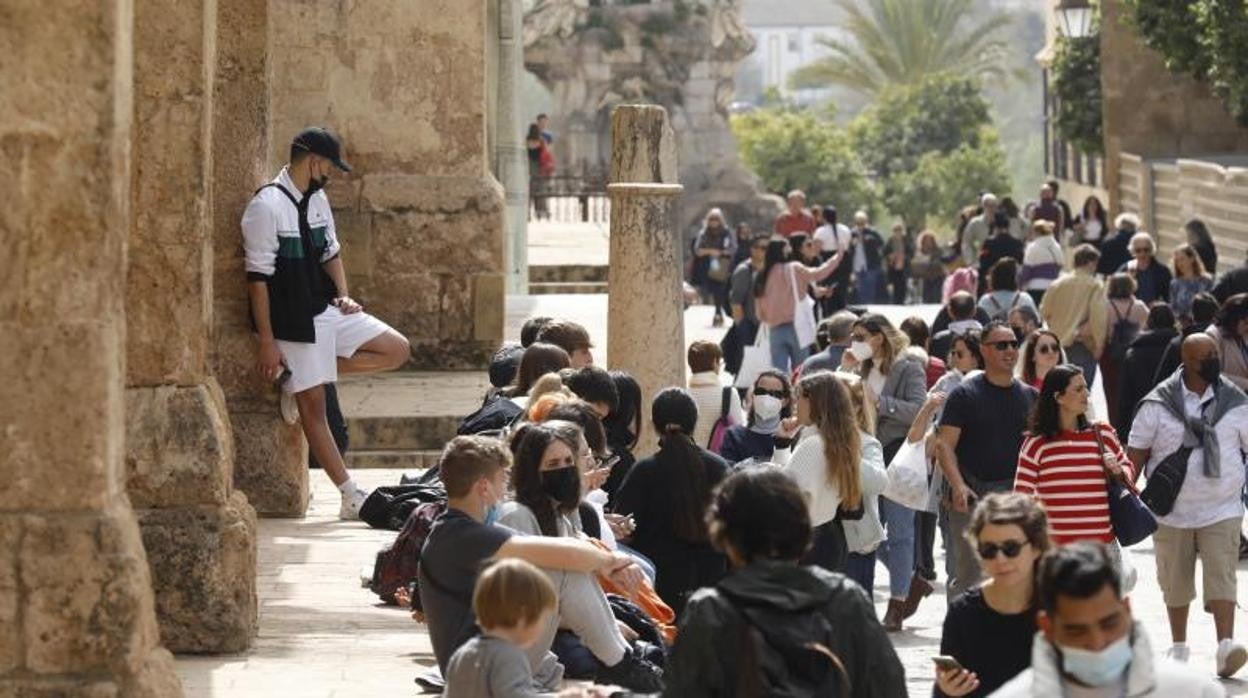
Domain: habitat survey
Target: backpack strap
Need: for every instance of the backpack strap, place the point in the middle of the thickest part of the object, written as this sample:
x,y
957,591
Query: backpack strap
x,y
284,190
724,403
1018,295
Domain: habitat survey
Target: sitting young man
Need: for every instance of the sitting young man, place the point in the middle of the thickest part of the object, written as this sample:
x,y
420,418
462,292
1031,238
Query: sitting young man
x,y
1088,644
475,471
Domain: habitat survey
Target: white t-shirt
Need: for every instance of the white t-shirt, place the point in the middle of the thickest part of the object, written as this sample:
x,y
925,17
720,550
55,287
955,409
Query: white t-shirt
x,y
1202,501
1092,229
831,242
809,469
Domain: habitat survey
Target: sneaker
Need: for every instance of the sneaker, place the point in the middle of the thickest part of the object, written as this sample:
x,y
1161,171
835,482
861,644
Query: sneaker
x,y
1231,657
1178,653
636,675
290,409
351,503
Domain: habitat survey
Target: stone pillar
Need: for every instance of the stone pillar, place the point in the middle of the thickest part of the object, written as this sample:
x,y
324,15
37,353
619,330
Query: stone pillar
x,y
76,607
270,456
199,533
512,158
645,316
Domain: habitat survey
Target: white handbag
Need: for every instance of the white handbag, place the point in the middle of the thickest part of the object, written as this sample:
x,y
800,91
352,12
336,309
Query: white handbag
x,y
754,359
803,313
907,476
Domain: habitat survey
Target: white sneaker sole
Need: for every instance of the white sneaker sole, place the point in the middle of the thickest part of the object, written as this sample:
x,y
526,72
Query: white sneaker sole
x,y
1233,662
289,408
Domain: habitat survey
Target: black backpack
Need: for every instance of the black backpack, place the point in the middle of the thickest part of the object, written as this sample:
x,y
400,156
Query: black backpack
x,y
1163,486
1121,335
494,416
390,507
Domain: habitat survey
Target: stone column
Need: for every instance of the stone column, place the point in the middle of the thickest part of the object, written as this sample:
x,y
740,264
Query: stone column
x,y
199,532
270,456
76,609
645,317
513,161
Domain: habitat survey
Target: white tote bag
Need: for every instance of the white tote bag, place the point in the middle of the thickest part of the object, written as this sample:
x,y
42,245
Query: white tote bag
x,y
803,313
907,476
755,359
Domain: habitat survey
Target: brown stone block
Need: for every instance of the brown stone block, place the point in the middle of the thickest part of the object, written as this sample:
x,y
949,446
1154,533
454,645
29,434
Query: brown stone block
x,y
406,192
408,302
179,448
10,631
270,463
234,360
489,295
88,604
62,688
455,315
203,569
62,439
166,314
449,355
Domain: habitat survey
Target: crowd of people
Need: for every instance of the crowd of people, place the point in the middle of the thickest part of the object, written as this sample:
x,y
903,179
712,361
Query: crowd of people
x,y
737,554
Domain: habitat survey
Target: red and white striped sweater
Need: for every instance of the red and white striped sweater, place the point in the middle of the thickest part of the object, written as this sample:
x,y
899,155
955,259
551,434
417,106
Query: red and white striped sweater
x,y
1066,475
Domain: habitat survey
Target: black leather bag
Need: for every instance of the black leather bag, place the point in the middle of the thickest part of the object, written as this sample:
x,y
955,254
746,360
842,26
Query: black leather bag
x,y
1166,481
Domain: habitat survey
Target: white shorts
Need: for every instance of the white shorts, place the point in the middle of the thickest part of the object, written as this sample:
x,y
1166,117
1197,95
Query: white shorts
x,y
336,335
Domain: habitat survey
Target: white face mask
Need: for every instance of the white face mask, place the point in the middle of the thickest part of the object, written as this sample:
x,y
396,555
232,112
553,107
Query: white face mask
x,y
767,406
1098,668
861,350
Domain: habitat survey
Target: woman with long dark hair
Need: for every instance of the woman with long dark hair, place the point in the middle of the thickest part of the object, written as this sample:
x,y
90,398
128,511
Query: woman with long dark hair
x,y
623,427
989,628
667,494
1065,460
1230,331
546,478
777,289
1199,237
509,404
1091,224
1042,350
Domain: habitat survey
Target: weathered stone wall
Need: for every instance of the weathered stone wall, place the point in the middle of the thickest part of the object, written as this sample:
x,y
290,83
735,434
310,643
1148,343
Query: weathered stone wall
x,y
402,82
270,456
199,534
1150,111
76,609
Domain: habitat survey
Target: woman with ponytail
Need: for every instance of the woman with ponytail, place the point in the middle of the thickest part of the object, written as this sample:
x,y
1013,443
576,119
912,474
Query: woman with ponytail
x,y
667,495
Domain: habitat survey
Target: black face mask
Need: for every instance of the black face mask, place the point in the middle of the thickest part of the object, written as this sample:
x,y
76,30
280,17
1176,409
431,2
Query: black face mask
x,y
564,486
1210,370
315,185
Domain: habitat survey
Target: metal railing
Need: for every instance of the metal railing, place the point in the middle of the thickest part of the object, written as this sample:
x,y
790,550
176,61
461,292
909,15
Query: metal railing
x,y
569,199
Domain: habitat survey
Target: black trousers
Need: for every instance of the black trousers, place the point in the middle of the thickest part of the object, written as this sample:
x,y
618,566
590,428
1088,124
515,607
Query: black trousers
x,y
828,548
925,525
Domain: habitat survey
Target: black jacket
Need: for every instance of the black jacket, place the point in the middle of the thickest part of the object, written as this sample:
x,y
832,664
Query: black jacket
x,y
1138,374
1115,252
1232,282
746,636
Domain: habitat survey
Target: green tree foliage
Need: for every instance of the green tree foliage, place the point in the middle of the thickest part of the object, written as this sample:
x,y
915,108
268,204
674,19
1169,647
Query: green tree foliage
x,y
931,147
793,149
902,42
1076,73
1206,38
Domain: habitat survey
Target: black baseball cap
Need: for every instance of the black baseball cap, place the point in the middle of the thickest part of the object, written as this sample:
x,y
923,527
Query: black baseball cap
x,y
320,141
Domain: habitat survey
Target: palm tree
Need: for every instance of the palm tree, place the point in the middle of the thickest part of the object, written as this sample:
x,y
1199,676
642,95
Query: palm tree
x,y
891,42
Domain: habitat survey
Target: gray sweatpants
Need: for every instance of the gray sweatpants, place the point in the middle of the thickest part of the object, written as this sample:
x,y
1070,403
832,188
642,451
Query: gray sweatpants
x,y
584,610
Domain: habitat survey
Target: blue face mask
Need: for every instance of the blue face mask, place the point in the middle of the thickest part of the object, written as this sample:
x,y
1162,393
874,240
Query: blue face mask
x,y
492,512
1098,668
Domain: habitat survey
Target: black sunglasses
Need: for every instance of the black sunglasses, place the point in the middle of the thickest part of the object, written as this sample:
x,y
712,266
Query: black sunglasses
x,y
1046,348
1011,548
1004,344
774,393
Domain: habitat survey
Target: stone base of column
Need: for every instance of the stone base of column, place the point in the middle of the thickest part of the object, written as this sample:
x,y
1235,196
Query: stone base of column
x,y
62,575
271,462
203,562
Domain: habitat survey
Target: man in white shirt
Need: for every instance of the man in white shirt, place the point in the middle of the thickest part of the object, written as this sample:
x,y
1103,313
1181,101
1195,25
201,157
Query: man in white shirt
x,y
1207,512
978,229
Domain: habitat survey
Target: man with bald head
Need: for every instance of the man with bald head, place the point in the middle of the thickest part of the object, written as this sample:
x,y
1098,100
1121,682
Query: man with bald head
x,y
1193,428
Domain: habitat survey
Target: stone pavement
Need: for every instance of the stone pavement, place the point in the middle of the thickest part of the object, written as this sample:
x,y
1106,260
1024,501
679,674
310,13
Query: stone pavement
x,y
323,636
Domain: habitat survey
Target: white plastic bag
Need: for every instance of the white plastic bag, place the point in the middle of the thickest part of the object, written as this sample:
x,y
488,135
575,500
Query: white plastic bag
x,y
907,476
803,313
755,359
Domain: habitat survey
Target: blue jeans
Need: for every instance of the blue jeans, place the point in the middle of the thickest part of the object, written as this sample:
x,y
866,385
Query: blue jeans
x,y
867,286
897,550
1079,355
784,347
861,568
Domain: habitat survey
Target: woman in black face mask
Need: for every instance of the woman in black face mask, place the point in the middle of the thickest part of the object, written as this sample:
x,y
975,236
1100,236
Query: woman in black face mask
x,y
667,494
547,480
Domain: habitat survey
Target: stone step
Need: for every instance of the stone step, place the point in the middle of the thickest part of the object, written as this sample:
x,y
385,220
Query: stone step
x,y
406,433
399,460
546,288
555,273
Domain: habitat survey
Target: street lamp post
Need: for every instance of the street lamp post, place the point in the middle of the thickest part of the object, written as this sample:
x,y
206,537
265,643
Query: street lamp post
x,y
1074,18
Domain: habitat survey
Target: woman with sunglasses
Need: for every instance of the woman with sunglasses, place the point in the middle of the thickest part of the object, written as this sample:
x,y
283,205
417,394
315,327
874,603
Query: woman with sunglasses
x,y
989,629
896,388
1041,352
770,401
1065,461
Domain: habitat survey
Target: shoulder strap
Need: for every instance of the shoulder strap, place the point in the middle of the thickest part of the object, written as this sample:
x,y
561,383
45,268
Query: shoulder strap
x,y
1018,295
284,190
724,402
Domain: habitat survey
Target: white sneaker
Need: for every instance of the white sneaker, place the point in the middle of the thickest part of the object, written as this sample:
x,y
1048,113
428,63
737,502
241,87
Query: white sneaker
x,y
1231,657
351,503
1178,653
290,409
